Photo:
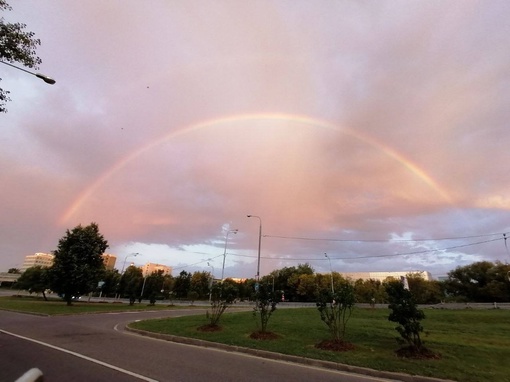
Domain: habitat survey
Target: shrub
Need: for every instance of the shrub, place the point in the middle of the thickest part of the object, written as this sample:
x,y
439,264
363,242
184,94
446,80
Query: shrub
x,y
336,309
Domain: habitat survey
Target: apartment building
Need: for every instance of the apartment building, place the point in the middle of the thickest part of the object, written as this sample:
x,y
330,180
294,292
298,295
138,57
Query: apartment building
x,y
150,268
44,260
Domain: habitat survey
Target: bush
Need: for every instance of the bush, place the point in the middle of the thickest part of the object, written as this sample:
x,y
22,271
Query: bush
x,y
336,309
406,313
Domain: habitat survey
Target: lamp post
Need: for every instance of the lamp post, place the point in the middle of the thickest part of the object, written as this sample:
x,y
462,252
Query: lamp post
x,y
125,258
225,251
260,239
46,79
143,287
211,283
331,270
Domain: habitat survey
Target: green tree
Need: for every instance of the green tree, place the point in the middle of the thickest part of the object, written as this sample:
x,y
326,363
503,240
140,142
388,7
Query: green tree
x,y
405,312
336,309
223,296
369,291
168,287
78,265
482,281
265,304
288,280
111,279
153,285
200,283
424,291
182,285
16,46
34,280
131,283
14,270
192,296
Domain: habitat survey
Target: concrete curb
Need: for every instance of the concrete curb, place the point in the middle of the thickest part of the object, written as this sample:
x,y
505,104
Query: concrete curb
x,y
288,358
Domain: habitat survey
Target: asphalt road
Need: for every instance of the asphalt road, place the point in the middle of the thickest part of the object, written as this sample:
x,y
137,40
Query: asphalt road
x,y
94,347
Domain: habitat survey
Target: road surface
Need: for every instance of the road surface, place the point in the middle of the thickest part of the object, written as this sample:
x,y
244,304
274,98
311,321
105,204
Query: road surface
x,y
94,347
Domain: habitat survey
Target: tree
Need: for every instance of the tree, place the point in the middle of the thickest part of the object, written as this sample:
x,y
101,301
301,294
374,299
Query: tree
x,y
405,312
182,285
34,280
131,283
369,291
223,295
78,265
424,291
265,305
482,281
16,45
336,309
200,283
14,270
287,279
111,279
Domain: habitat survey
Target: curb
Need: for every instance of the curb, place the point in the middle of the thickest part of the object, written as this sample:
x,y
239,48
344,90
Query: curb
x,y
288,358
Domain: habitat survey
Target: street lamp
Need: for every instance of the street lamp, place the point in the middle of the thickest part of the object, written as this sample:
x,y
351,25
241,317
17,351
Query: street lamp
x,y
46,79
143,287
260,239
225,251
211,283
209,265
125,258
331,270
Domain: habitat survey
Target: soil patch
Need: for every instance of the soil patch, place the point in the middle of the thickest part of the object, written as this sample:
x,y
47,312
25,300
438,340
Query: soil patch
x,y
414,353
335,345
209,328
265,336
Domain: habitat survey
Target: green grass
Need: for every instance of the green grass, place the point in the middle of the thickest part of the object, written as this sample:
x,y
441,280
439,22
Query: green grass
x,y
36,305
474,344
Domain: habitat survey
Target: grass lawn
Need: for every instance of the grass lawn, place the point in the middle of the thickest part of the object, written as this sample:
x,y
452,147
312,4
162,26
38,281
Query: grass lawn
x,y
37,305
474,344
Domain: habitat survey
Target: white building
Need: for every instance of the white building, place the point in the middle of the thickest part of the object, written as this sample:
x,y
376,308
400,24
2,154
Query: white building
x,y
150,268
381,276
44,260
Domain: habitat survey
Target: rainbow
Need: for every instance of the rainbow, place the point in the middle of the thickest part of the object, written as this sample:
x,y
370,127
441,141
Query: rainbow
x,y
98,182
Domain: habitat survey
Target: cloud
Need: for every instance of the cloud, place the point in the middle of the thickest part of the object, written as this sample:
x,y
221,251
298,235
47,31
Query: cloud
x,y
345,122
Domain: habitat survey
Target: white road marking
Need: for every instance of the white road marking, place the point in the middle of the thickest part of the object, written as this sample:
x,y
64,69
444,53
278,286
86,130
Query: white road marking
x,y
142,377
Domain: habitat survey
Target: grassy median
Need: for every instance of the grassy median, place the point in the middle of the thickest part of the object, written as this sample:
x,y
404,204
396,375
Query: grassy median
x,y
56,306
474,344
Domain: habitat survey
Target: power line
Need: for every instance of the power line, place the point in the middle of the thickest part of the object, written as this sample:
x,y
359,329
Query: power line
x,y
381,240
504,237
377,256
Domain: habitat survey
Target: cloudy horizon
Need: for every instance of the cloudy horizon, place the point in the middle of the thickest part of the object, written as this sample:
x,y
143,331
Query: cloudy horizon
x,y
374,132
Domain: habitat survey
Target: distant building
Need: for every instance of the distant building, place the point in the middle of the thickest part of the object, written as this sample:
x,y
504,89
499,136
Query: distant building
x,y
109,261
44,260
150,268
381,276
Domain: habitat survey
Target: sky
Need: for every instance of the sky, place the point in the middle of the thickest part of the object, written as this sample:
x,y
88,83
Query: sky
x,y
373,132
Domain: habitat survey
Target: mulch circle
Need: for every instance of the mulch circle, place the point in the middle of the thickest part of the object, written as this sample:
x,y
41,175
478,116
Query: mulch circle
x,y
210,328
335,345
265,336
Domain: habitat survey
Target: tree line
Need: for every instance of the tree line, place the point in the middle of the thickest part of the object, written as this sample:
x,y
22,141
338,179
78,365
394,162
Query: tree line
x,y
78,270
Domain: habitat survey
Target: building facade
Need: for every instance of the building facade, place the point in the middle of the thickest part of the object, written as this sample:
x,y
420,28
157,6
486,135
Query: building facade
x,y
44,260
109,261
150,268
381,276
